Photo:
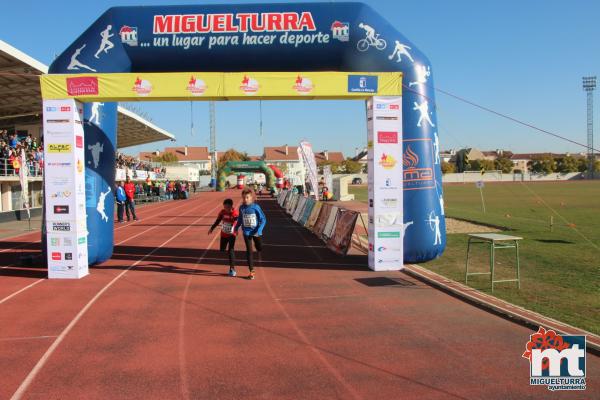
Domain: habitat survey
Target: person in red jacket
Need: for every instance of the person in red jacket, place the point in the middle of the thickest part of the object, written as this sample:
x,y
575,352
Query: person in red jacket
x,y
227,218
130,202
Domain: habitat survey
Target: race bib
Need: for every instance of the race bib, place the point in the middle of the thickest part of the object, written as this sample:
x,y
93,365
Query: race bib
x,y
249,220
227,228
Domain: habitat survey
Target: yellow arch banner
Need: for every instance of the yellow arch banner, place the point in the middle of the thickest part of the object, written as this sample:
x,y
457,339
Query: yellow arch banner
x,y
221,86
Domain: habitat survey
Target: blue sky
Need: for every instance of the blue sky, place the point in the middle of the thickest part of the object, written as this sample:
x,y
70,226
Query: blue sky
x,y
523,58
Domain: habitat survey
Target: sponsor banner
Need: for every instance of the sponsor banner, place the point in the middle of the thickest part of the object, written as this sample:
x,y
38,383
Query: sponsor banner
x,y
331,222
214,85
322,219
65,204
314,214
387,162
310,204
341,237
299,209
311,165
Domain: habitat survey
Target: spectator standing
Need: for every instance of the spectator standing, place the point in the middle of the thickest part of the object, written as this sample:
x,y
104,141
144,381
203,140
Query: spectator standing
x,y
121,198
130,202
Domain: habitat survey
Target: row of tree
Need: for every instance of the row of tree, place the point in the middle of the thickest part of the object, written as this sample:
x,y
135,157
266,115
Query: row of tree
x,y
543,164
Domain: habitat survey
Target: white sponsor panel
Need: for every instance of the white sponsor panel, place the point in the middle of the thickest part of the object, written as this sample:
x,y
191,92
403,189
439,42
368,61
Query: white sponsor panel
x,y
386,224
65,205
311,165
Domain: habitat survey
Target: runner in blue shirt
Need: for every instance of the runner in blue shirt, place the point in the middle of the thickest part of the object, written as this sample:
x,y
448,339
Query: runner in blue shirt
x,y
252,220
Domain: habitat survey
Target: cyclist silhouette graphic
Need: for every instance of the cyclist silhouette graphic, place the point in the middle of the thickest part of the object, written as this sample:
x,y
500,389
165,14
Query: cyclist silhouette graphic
x,y
371,39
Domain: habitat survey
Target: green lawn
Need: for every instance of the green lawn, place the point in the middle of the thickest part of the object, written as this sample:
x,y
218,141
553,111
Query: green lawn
x,y
560,270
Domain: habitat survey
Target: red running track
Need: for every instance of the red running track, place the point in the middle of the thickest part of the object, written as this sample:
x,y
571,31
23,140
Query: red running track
x,y
161,320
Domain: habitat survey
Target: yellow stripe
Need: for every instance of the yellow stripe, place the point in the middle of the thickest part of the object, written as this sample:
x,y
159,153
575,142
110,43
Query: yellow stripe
x,y
216,86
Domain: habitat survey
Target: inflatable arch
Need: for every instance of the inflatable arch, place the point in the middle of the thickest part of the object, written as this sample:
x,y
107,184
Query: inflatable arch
x,y
232,167
245,38
278,176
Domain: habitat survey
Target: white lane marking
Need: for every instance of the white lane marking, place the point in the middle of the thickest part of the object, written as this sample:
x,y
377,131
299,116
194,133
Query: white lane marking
x,y
10,339
42,361
21,290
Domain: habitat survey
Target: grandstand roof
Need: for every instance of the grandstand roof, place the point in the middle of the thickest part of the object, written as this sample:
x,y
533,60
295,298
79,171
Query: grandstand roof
x,y
21,100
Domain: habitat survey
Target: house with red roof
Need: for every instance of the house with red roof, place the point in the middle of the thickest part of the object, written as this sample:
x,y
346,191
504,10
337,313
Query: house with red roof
x,y
186,155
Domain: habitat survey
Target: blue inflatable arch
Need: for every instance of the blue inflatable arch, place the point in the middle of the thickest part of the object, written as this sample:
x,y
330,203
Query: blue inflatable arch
x,y
318,37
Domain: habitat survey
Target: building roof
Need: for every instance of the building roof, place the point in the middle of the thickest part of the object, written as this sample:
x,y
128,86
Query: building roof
x,y
281,153
193,153
333,156
21,100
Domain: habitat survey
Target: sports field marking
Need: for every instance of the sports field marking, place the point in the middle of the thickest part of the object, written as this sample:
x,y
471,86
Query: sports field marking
x,y
21,290
185,391
42,361
560,216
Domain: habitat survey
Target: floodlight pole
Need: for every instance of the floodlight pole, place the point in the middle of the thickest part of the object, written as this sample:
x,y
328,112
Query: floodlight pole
x,y
213,143
589,84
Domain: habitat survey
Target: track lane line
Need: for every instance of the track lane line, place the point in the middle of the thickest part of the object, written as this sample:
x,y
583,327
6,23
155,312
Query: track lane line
x,y
116,244
42,361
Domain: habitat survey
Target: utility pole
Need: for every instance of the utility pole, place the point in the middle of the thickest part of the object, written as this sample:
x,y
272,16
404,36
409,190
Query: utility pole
x,y
213,144
589,84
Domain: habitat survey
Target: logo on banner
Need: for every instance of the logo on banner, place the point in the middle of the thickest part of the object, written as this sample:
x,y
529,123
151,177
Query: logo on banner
x,y
362,84
382,106
56,256
556,361
417,174
389,203
81,240
58,121
51,109
79,166
79,142
303,85
82,86
59,148
129,35
61,209
54,242
196,86
340,31
142,87
59,164
61,268
68,242
249,86
65,109
61,226
388,235
68,256
387,137
387,161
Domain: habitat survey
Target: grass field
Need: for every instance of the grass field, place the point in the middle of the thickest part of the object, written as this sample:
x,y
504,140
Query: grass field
x,y
560,270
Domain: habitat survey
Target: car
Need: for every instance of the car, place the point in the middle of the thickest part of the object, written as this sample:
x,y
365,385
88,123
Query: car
x,y
357,181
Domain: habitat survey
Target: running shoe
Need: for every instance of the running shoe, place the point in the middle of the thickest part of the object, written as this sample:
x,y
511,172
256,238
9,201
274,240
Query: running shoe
x,y
232,272
251,275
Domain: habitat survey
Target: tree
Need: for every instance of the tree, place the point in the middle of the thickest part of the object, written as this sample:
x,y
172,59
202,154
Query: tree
x,y
336,168
447,168
351,166
567,164
544,164
504,164
231,155
166,158
478,165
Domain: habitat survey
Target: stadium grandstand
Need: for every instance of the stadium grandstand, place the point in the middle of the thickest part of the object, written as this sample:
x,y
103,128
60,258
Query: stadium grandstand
x,y
21,127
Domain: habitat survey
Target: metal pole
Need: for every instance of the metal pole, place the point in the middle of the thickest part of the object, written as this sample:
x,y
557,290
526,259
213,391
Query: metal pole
x,y
482,201
589,84
213,143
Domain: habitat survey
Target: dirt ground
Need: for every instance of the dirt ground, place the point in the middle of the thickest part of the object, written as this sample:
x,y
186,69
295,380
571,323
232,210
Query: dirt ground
x,y
458,226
